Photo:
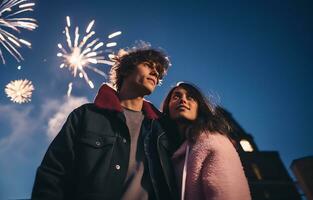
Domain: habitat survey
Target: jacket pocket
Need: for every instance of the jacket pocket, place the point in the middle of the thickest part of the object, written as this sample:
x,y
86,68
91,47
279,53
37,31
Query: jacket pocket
x,y
93,159
96,141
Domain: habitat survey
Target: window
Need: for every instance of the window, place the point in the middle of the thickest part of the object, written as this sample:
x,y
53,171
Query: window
x,y
246,146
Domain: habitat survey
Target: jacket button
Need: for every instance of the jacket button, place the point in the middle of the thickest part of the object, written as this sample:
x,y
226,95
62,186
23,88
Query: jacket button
x,y
98,143
118,167
124,140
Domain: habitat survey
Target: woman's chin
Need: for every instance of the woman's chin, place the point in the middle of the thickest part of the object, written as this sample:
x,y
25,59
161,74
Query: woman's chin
x,y
182,119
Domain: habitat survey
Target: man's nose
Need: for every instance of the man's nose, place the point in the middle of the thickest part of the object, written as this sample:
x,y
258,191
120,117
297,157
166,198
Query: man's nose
x,y
154,72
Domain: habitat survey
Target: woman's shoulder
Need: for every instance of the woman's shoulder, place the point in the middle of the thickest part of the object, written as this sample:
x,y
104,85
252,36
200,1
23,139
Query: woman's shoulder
x,y
213,141
208,137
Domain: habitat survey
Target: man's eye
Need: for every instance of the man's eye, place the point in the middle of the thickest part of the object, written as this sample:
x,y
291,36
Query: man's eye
x,y
146,64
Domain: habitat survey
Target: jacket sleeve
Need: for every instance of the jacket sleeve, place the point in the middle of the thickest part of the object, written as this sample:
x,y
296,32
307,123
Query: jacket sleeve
x,y
222,174
51,181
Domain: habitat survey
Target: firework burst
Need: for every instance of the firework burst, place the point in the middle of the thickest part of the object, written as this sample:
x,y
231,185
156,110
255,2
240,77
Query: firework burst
x,y
20,91
82,52
9,9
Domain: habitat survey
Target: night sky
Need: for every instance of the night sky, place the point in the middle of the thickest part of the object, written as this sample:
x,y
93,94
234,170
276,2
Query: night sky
x,y
254,57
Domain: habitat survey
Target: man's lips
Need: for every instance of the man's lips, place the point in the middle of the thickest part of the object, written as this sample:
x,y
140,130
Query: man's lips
x,y
152,80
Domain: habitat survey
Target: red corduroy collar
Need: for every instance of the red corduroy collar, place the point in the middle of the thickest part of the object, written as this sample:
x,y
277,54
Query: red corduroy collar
x,y
107,99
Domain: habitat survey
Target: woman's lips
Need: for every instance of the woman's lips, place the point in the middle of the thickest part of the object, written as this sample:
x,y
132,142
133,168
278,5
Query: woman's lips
x,y
180,107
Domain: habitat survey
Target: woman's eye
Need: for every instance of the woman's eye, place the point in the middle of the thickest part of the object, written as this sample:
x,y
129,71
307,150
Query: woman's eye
x,y
175,97
190,98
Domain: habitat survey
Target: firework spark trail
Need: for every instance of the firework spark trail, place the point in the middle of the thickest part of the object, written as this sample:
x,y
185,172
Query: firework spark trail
x,y
83,52
69,89
20,91
9,9
114,34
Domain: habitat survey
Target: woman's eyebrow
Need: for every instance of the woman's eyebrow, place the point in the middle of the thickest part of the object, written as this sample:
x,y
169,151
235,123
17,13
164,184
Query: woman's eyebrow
x,y
177,93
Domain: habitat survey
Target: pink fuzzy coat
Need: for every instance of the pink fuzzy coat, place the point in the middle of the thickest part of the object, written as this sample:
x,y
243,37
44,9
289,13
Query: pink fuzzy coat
x,y
214,170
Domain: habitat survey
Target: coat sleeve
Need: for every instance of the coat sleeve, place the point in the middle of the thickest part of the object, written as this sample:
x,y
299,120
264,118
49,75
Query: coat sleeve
x,y
51,181
222,174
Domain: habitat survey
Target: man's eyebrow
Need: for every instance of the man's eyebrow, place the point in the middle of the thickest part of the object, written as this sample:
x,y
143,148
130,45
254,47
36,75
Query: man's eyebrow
x,y
150,63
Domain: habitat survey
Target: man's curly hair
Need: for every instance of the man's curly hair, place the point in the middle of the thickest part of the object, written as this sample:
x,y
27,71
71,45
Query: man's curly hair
x,y
126,64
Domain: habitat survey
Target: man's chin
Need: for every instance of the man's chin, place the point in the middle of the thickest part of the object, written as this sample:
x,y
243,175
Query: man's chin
x,y
148,90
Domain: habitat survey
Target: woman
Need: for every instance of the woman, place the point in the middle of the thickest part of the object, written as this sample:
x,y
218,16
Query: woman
x,y
207,165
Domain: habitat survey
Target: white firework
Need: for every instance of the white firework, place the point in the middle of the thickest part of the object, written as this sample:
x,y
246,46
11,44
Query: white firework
x,y
9,20
83,52
20,91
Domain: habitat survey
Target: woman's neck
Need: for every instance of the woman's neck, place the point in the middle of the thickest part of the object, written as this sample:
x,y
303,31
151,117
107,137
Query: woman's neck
x,y
183,128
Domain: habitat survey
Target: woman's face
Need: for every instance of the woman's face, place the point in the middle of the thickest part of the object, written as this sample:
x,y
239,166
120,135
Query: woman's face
x,y
182,105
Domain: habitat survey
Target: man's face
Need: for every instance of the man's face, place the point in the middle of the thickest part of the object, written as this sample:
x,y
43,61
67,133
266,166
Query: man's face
x,y
144,78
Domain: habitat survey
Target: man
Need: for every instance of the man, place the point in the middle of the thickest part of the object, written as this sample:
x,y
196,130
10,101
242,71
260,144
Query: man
x,y
113,148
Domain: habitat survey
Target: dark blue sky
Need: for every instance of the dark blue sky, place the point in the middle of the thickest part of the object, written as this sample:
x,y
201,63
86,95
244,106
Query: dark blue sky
x,y
255,56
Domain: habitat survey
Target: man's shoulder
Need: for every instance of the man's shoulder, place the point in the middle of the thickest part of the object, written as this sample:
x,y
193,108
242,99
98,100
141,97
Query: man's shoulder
x,y
83,108
87,108
93,118
92,109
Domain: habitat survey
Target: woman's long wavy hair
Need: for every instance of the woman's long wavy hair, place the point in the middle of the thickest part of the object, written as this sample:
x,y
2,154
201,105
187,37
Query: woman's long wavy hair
x,y
208,118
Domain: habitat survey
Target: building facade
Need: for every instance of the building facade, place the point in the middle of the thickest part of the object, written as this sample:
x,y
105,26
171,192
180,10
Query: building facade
x,y
302,168
267,176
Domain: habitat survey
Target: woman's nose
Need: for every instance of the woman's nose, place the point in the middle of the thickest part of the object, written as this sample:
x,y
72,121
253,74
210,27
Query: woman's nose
x,y
183,99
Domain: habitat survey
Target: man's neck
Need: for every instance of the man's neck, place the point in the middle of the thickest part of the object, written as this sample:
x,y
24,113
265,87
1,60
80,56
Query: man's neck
x,y
132,104
130,101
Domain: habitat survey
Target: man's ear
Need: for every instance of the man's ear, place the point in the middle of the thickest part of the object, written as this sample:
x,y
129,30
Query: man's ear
x,y
125,73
